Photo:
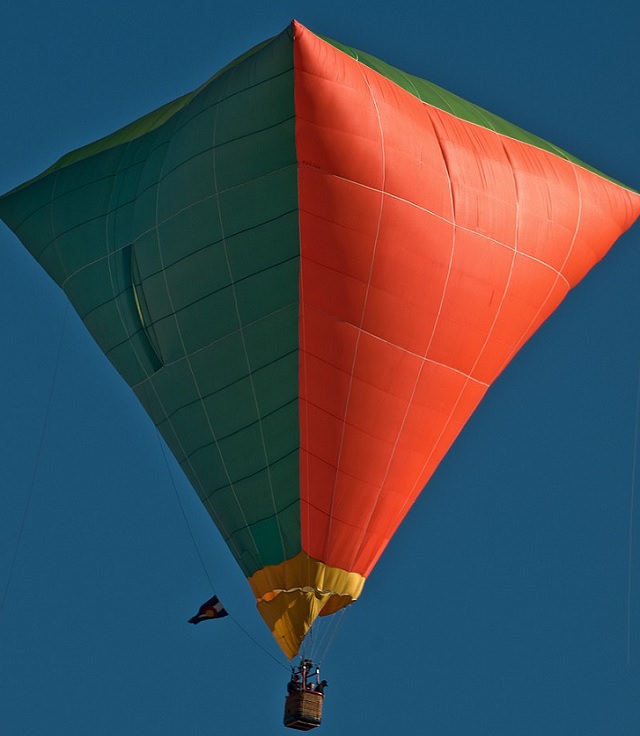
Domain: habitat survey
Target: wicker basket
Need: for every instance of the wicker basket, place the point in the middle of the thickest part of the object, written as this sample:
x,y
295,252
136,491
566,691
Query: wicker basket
x,y
303,710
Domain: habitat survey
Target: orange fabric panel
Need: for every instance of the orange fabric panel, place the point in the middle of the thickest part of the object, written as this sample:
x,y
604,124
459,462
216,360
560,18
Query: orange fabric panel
x,y
431,249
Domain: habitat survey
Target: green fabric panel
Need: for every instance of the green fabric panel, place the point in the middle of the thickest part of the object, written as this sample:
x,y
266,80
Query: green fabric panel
x,y
177,241
255,531
142,126
434,95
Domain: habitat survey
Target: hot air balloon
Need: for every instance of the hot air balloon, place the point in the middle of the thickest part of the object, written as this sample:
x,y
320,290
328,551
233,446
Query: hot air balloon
x,y
309,271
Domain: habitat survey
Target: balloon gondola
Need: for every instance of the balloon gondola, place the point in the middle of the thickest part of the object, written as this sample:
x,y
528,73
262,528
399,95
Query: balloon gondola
x,y
305,696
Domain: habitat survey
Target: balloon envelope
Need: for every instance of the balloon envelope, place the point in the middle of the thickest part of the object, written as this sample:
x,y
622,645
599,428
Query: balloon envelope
x,y
310,270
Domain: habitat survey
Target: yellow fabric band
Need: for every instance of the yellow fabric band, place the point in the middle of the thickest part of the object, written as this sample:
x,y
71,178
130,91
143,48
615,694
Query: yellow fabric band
x,y
293,593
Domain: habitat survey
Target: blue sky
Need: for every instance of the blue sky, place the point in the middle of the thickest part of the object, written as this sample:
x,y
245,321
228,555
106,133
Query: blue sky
x,y
509,601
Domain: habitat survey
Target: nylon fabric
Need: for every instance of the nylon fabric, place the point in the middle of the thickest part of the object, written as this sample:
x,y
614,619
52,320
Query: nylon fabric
x,y
310,270
449,102
176,239
292,594
432,248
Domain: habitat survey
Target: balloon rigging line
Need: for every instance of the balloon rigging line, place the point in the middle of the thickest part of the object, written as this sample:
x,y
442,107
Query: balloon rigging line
x,y
332,634
200,556
322,635
631,506
184,513
36,466
257,643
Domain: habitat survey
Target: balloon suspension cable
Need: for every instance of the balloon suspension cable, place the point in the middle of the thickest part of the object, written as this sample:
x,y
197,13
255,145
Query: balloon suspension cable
x,y
36,466
332,634
632,494
321,641
196,547
258,645
184,513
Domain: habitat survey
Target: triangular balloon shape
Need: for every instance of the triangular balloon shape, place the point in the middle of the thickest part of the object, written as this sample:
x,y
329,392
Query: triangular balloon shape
x,y
310,270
